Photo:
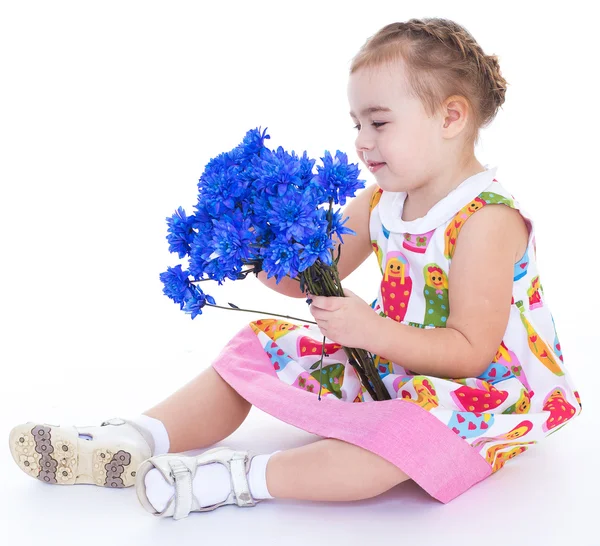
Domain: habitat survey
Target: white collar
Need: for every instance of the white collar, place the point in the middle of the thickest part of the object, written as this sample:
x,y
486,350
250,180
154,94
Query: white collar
x,y
391,205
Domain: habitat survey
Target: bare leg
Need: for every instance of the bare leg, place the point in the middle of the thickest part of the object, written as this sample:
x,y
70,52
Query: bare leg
x,y
201,413
330,470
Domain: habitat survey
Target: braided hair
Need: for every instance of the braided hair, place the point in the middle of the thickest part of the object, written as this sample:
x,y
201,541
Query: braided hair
x,y
441,59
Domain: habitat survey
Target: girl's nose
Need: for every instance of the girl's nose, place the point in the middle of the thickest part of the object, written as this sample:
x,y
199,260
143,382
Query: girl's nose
x,y
363,143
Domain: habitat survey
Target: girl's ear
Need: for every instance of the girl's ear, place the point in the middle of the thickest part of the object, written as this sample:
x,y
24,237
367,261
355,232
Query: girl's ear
x,y
454,114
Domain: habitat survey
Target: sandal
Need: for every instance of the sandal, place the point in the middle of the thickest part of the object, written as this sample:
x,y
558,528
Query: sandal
x,y
107,455
179,471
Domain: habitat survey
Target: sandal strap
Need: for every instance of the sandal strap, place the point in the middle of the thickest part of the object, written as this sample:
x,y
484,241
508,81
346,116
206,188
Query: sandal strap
x,y
238,464
182,480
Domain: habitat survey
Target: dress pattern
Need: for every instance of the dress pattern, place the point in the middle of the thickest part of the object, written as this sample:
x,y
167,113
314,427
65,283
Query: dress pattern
x,y
525,394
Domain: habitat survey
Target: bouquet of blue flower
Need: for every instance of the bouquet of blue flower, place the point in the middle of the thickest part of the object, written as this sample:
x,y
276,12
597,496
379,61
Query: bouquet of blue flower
x,y
261,210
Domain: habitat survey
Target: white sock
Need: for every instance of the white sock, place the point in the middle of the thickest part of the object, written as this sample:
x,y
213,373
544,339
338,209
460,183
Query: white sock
x,y
157,430
211,485
257,477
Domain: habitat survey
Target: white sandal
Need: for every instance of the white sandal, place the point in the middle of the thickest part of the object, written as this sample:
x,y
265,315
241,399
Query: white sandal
x,y
107,455
179,471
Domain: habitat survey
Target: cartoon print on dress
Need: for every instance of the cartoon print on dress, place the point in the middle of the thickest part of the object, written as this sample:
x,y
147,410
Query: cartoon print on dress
x,y
481,399
425,392
399,382
521,266
360,397
538,346
507,358
470,425
378,253
386,231
307,382
383,365
332,377
377,308
375,198
560,410
416,325
435,294
533,292
417,243
522,405
278,356
495,373
557,348
576,394
497,458
396,285
455,225
522,429
272,327
495,199
308,346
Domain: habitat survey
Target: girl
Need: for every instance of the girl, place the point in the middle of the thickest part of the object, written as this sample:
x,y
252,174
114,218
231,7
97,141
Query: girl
x,y
460,331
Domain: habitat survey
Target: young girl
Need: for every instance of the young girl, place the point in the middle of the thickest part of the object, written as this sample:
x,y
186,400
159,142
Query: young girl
x,y
460,331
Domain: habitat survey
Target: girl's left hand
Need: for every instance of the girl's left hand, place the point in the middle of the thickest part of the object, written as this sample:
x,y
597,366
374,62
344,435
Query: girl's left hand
x,y
348,321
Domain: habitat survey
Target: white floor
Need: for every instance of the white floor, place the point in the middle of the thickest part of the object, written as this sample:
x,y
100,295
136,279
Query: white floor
x,y
546,496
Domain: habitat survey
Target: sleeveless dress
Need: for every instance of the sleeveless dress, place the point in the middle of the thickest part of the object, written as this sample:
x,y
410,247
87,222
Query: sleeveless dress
x,y
445,434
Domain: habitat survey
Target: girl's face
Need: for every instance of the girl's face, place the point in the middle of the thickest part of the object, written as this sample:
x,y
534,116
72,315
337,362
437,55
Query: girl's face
x,y
393,128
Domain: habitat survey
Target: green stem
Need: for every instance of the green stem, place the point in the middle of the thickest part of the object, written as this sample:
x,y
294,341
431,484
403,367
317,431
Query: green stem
x,y
261,312
367,361
361,372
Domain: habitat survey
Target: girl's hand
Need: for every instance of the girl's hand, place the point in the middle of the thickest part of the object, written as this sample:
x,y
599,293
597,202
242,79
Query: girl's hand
x,y
349,321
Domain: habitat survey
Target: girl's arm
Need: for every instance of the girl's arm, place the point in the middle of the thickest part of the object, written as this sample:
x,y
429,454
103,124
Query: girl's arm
x,y
355,250
287,287
480,290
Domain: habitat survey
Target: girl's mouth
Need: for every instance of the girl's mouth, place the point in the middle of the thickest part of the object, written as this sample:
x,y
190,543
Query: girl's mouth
x,y
375,167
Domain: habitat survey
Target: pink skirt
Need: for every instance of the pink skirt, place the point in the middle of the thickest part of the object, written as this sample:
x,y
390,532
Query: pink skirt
x,y
401,432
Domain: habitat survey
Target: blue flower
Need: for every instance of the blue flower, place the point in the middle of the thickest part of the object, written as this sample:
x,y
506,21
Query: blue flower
x,y
202,219
194,305
253,144
223,165
261,208
306,168
274,172
337,225
338,178
293,214
231,244
177,285
222,190
180,232
280,258
315,247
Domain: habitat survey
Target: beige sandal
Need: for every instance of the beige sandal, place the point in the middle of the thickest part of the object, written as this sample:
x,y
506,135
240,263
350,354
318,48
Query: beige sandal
x,y
179,471
107,455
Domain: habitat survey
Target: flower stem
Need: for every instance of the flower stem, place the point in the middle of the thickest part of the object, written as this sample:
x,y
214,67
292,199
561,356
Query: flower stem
x,y
362,361
365,358
261,312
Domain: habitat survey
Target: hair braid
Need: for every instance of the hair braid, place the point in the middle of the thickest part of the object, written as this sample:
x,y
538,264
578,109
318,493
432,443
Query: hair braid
x,y
442,59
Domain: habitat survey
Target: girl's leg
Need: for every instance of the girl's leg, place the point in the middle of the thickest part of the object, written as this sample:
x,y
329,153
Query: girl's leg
x,y
330,470
201,413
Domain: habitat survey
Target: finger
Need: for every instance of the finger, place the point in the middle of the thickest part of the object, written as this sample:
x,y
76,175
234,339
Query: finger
x,y
322,327
319,314
328,303
320,302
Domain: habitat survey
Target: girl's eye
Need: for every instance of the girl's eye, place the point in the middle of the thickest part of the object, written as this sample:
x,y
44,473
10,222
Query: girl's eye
x,y
374,124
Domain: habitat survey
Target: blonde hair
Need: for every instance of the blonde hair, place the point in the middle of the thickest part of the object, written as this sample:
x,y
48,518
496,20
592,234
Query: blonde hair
x,y
441,59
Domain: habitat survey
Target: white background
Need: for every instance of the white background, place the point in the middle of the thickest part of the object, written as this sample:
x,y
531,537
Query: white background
x,y
109,112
